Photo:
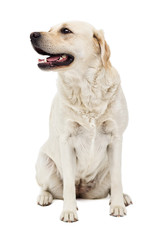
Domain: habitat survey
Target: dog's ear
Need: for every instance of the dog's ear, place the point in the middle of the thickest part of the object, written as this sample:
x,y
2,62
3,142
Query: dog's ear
x,y
103,47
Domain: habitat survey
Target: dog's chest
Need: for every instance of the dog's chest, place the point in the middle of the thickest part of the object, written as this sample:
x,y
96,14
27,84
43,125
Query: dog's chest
x,y
90,146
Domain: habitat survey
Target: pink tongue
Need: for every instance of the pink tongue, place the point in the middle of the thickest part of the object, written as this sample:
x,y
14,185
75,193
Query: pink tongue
x,y
52,59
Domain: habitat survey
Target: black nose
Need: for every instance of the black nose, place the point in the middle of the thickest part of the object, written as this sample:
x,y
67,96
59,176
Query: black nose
x,y
35,35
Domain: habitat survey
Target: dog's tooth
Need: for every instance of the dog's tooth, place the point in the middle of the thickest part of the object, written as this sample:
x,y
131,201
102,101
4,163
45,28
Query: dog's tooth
x,y
64,56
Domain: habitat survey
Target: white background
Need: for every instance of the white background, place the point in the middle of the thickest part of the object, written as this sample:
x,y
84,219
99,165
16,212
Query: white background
x,y
134,31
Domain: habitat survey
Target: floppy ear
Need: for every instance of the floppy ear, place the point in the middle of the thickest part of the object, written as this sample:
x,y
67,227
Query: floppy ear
x,y
104,48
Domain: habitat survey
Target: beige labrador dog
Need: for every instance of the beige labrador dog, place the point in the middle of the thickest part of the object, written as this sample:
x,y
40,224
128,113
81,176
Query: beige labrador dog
x,y
82,156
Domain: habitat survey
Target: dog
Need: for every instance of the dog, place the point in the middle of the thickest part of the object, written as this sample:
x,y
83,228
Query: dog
x,y
82,156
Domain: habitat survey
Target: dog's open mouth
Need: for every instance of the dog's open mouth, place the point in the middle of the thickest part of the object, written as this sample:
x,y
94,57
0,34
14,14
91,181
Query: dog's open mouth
x,y
54,60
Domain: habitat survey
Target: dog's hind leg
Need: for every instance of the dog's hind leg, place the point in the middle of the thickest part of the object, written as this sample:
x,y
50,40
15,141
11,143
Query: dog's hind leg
x,y
49,180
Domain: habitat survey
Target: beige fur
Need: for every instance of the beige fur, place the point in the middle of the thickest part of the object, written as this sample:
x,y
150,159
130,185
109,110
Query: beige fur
x,y
82,156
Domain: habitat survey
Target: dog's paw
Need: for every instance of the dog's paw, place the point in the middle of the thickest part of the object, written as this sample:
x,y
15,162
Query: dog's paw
x,y
44,199
118,211
127,200
69,216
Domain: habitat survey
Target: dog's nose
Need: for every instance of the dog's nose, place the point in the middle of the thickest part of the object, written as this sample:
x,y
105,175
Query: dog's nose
x,y
35,35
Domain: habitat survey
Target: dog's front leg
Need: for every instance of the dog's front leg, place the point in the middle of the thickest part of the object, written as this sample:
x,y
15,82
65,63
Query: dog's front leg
x,y
68,161
117,207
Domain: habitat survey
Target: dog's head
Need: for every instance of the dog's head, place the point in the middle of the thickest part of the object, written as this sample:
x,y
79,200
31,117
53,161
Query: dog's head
x,y
70,44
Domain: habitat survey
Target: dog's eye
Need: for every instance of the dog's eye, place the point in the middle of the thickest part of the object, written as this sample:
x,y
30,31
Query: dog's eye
x,y
65,31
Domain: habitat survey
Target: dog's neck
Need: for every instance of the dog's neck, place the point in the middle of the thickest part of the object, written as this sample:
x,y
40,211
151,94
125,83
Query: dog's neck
x,y
89,93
